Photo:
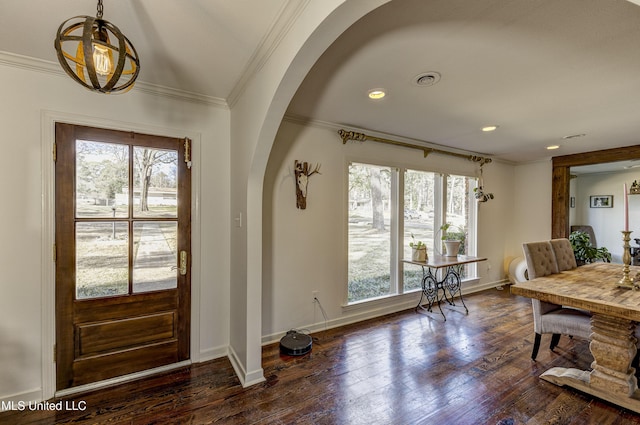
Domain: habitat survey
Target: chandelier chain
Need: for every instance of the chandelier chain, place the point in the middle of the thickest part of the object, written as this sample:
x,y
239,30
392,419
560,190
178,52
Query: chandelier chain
x,y
100,9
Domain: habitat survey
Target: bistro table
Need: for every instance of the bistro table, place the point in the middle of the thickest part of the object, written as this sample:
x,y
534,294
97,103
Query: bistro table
x,y
449,281
615,311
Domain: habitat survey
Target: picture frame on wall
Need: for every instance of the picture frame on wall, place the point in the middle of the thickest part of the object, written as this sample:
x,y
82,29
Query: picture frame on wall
x,y
601,201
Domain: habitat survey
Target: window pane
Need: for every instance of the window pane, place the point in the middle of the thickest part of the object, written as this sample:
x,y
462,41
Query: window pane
x,y
418,221
155,256
459,202
102,179
369,232
155,182
457,212
102,266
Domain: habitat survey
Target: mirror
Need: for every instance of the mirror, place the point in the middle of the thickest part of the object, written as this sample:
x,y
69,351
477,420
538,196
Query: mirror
x,y
561,174
596,204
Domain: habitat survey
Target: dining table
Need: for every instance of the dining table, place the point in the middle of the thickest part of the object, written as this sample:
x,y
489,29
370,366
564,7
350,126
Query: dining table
x,y
615,314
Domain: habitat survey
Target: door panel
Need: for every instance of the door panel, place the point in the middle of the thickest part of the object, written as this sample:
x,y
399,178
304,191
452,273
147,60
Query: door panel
x,y
122,216
116,335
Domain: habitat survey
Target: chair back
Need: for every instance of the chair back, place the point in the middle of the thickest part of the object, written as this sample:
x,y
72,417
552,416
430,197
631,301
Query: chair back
x,y
588,230
565,258
541,260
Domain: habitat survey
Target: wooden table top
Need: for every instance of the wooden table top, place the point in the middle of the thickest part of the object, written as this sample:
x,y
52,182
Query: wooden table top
x,y
439,261
591,287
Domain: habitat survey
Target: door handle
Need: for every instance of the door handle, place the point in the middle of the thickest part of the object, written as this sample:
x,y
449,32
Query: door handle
x,y
183,263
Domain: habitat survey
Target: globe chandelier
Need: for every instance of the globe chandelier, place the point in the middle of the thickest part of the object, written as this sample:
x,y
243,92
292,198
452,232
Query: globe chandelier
x,y
95,54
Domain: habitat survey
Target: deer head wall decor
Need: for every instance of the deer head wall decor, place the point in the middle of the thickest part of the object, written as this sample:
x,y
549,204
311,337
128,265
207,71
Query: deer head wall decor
x,y
302,174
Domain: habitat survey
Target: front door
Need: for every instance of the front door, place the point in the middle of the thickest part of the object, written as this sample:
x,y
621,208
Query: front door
x,y
123,211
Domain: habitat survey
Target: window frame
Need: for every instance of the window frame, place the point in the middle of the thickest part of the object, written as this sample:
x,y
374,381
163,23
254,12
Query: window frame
x,y
396,225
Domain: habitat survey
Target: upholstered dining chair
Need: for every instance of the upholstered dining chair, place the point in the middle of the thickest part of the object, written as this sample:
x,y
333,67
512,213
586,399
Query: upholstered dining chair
x,y
563,251
588,230
542,260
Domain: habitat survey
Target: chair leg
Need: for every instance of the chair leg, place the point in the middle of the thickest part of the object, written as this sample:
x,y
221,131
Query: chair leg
x,y
555,338
536,346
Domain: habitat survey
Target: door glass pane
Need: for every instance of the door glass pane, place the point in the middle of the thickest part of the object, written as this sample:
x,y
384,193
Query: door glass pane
x,y
369,232
155,258
102,265
155,182
418,221
102,179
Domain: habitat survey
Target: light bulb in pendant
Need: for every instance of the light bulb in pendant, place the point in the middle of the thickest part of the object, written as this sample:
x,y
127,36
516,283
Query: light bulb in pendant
x,y
101,60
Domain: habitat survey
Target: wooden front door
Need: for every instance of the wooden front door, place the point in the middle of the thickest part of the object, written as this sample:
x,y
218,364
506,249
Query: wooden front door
x,y
123,212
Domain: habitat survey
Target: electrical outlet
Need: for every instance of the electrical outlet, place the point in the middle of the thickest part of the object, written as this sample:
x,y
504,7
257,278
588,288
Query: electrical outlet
x,y
314,295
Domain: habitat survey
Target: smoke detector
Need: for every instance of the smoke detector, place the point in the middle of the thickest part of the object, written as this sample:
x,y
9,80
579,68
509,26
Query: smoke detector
x,y
426,79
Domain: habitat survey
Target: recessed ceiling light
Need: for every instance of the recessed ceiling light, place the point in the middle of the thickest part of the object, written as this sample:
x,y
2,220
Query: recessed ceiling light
x,y
552,147
376,94
490,128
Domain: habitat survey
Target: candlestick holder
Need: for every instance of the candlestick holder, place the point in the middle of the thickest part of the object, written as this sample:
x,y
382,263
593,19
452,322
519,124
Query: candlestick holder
x,y
626,281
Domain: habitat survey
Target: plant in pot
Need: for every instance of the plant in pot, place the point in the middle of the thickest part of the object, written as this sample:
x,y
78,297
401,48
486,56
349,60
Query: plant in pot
x,y
584,250
453,238
418,250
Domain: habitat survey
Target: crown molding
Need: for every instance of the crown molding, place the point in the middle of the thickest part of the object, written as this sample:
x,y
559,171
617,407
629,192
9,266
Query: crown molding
x,y
53,68
288,14
29,63
158,90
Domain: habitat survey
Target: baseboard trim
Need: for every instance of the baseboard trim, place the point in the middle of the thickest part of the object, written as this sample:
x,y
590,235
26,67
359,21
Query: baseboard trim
x,y
246,379
33,395
213,353
376,309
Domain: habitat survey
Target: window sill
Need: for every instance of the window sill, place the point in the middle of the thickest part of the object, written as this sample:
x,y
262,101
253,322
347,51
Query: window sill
x,y
409,298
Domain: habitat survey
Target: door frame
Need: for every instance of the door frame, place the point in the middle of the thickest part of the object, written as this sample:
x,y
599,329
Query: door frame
x,y
48,327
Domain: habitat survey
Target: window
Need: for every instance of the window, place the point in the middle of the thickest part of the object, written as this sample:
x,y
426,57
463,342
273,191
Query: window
x,y
391,207
370,259
420,210
102,194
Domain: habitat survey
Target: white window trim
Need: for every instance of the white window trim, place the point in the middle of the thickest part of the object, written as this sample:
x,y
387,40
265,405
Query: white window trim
x,y
397,223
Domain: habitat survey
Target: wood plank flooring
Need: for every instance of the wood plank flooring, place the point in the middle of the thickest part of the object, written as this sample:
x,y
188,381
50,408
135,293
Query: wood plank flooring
x,y
405,368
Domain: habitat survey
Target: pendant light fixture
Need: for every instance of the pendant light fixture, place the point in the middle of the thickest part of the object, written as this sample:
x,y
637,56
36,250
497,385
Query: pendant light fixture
x,y
96,54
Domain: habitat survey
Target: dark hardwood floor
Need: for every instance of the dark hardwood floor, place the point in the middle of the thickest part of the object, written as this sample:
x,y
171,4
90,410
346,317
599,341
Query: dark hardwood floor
x,y
405,368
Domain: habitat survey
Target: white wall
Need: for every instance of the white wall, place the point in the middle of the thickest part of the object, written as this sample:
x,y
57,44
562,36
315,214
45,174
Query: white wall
x,y
607,222
27,96
531,210
306,250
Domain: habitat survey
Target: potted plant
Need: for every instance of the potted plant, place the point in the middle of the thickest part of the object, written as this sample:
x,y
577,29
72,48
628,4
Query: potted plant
x,y
584,250
453,238
418,250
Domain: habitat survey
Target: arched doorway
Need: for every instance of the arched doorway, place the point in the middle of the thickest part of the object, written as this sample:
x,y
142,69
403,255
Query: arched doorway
x,y
264,101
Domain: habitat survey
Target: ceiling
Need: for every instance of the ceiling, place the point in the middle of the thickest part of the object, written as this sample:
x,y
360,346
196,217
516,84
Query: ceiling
x,y
539,69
